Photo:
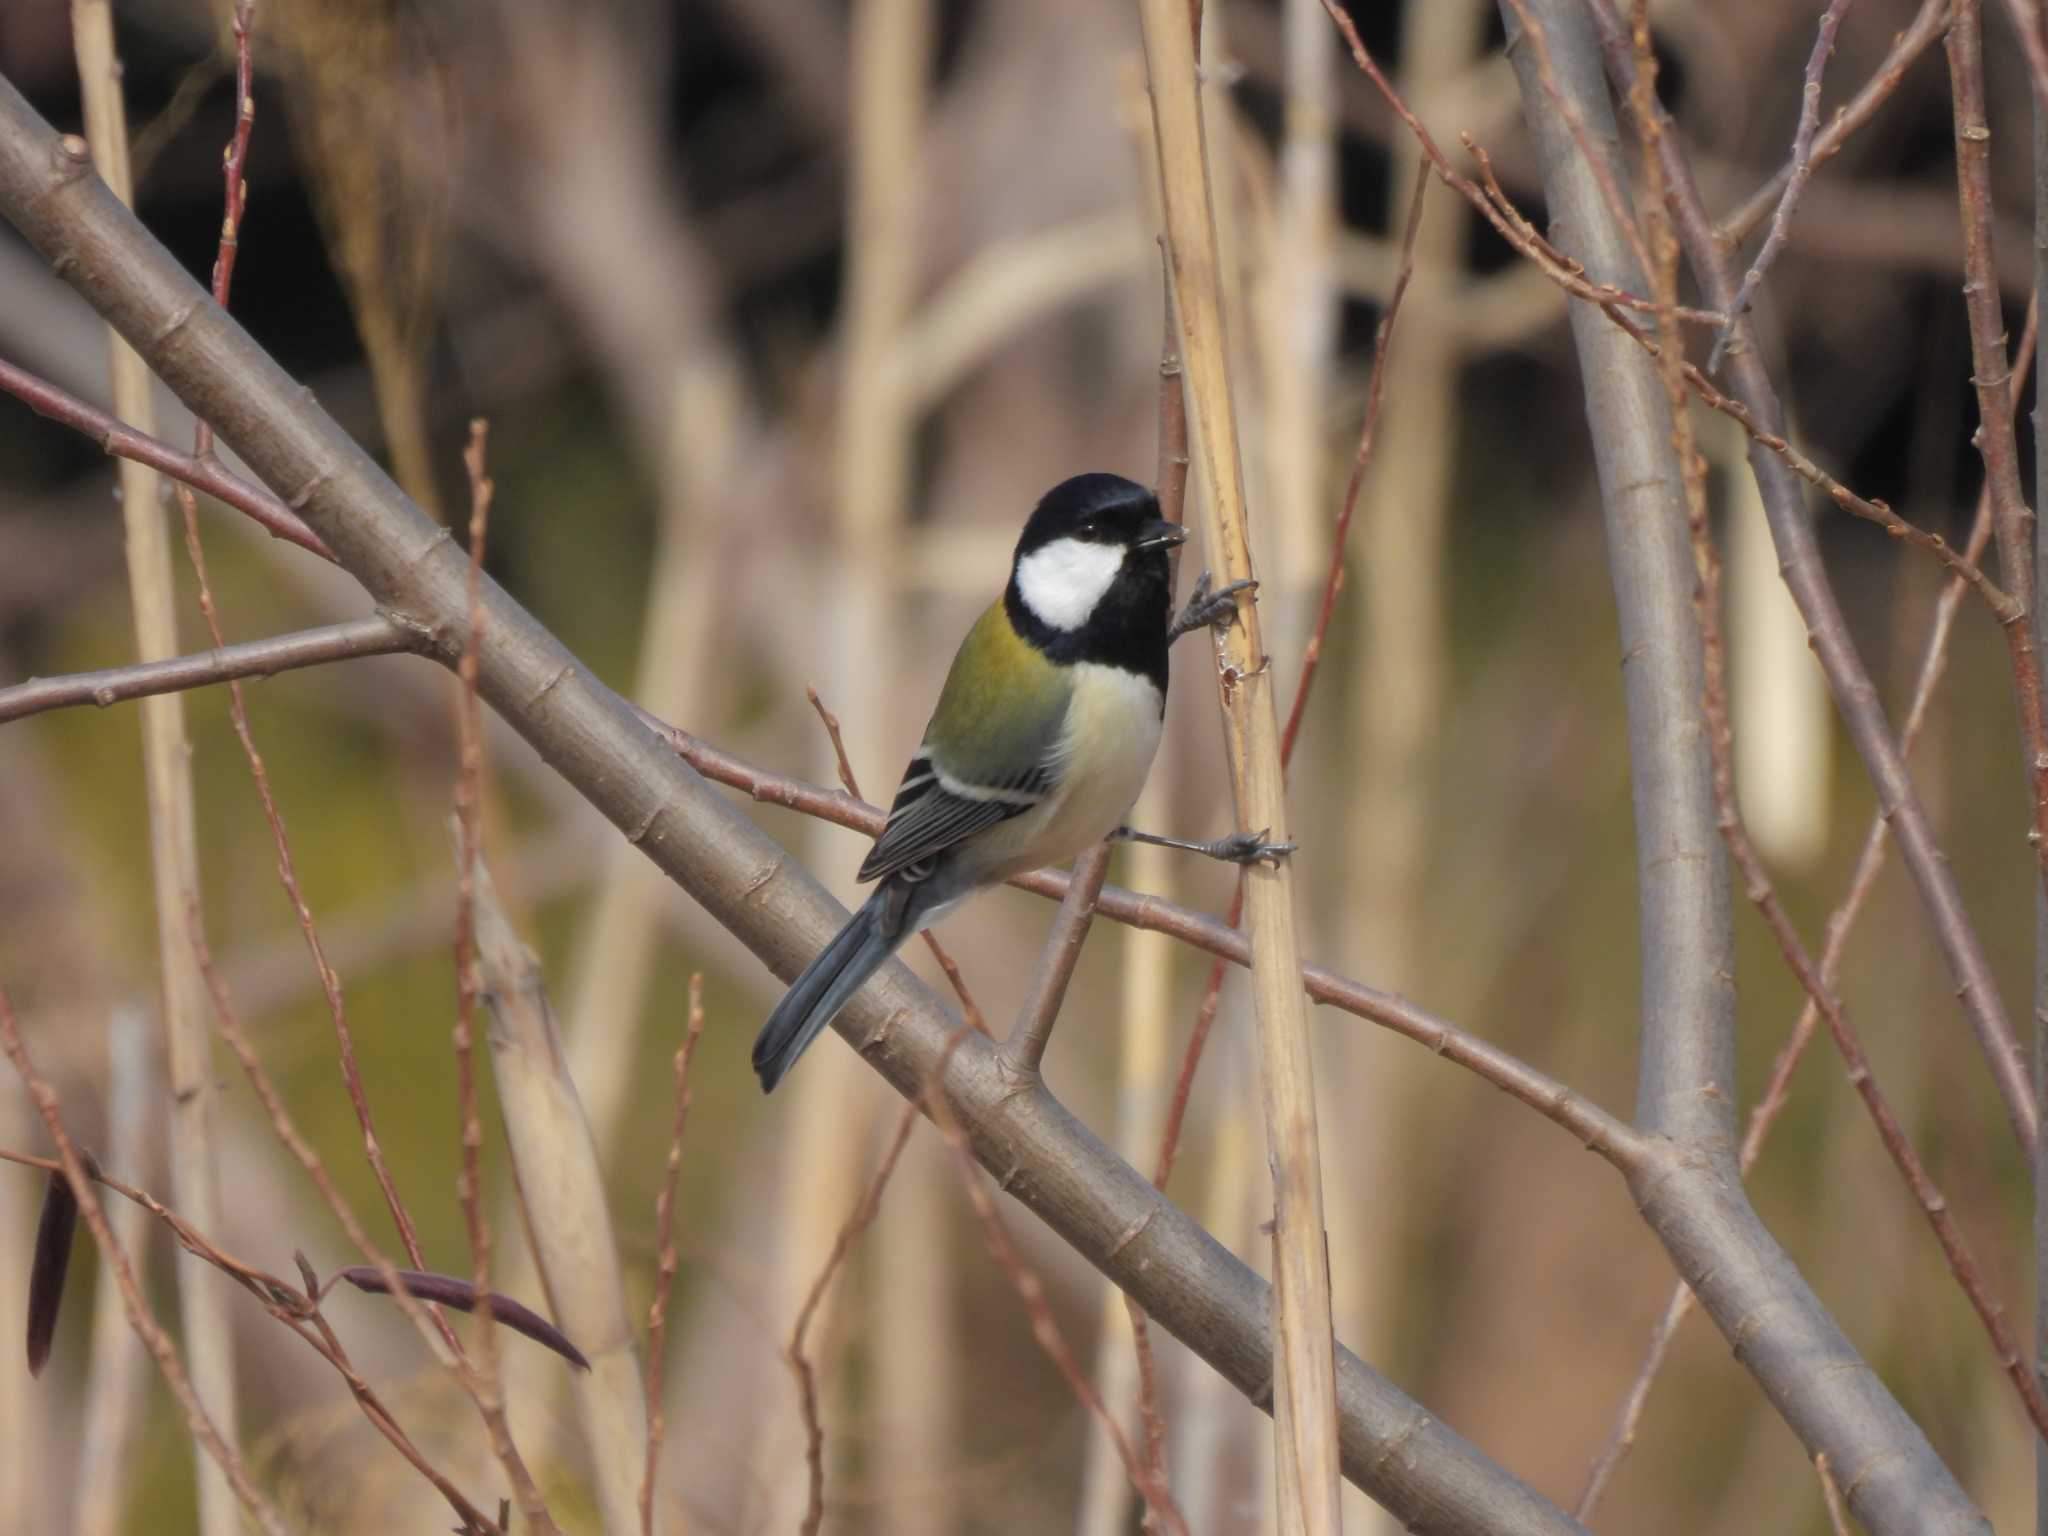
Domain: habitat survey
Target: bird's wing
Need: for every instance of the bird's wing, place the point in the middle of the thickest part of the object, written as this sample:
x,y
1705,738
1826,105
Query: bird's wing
x,y
993,750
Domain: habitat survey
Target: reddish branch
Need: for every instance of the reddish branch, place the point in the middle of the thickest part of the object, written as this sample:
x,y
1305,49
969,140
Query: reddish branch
x,y
2012,520
124,442
1928,24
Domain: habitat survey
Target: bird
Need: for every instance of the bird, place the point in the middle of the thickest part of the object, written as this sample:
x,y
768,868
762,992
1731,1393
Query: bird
x,y
1041,740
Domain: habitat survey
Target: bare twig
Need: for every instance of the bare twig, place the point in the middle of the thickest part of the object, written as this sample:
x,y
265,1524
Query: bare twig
x,y
861,1218
1024,1048
1757,885
1487,197
252,658
433,1329
1801,168
489,1394
204,1430
1601,1132
300,1312
665,1250
1031,1291
2012,520
1849,680
125,442
1928,23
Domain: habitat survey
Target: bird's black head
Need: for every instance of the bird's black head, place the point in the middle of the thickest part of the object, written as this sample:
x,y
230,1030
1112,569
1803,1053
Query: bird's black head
x,y
1092,579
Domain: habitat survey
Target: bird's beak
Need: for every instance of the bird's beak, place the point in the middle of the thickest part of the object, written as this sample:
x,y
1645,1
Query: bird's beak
x,y
1160,534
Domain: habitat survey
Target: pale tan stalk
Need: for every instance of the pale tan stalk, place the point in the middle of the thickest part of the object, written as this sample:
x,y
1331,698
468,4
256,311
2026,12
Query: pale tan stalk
x,y
554,1160
167,774
1304,1368
1298,314
113,1388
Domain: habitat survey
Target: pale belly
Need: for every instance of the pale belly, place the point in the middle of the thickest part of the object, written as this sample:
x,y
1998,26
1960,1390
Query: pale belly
x,y
1112,736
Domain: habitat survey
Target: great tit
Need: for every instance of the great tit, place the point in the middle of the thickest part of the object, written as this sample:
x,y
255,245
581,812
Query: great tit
x,y
1041,740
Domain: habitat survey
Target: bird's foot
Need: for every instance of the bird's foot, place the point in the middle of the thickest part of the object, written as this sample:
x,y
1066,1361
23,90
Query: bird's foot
x,y
1206,608
1237,848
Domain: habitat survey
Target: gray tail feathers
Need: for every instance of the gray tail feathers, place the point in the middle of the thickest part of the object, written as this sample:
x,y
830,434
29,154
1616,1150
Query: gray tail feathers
x,y
828,983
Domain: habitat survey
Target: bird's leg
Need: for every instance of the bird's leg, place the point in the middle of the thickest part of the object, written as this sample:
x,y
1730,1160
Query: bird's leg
x,y
1207,609
1238,848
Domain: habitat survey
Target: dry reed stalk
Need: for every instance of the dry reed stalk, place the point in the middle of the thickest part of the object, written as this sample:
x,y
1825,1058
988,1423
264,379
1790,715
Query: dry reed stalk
x,y
1304,1369
555,1164
167,772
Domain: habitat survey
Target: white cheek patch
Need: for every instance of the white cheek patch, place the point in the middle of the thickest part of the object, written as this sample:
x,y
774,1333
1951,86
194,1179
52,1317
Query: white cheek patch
x,y
1062,582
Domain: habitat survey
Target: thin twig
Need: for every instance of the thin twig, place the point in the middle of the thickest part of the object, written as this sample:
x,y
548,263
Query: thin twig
x,y
469,1183
2012,520
665,1249
252,658
861,1218
1802,167
1848,678
1838,1517
1024,1048
1928,23
297,1310
124,442
1568,274
1757,886
139,1316
1031,1291
1303,1355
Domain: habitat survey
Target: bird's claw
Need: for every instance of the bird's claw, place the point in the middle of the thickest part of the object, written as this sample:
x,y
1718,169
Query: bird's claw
x,y
1250,848
1207,608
